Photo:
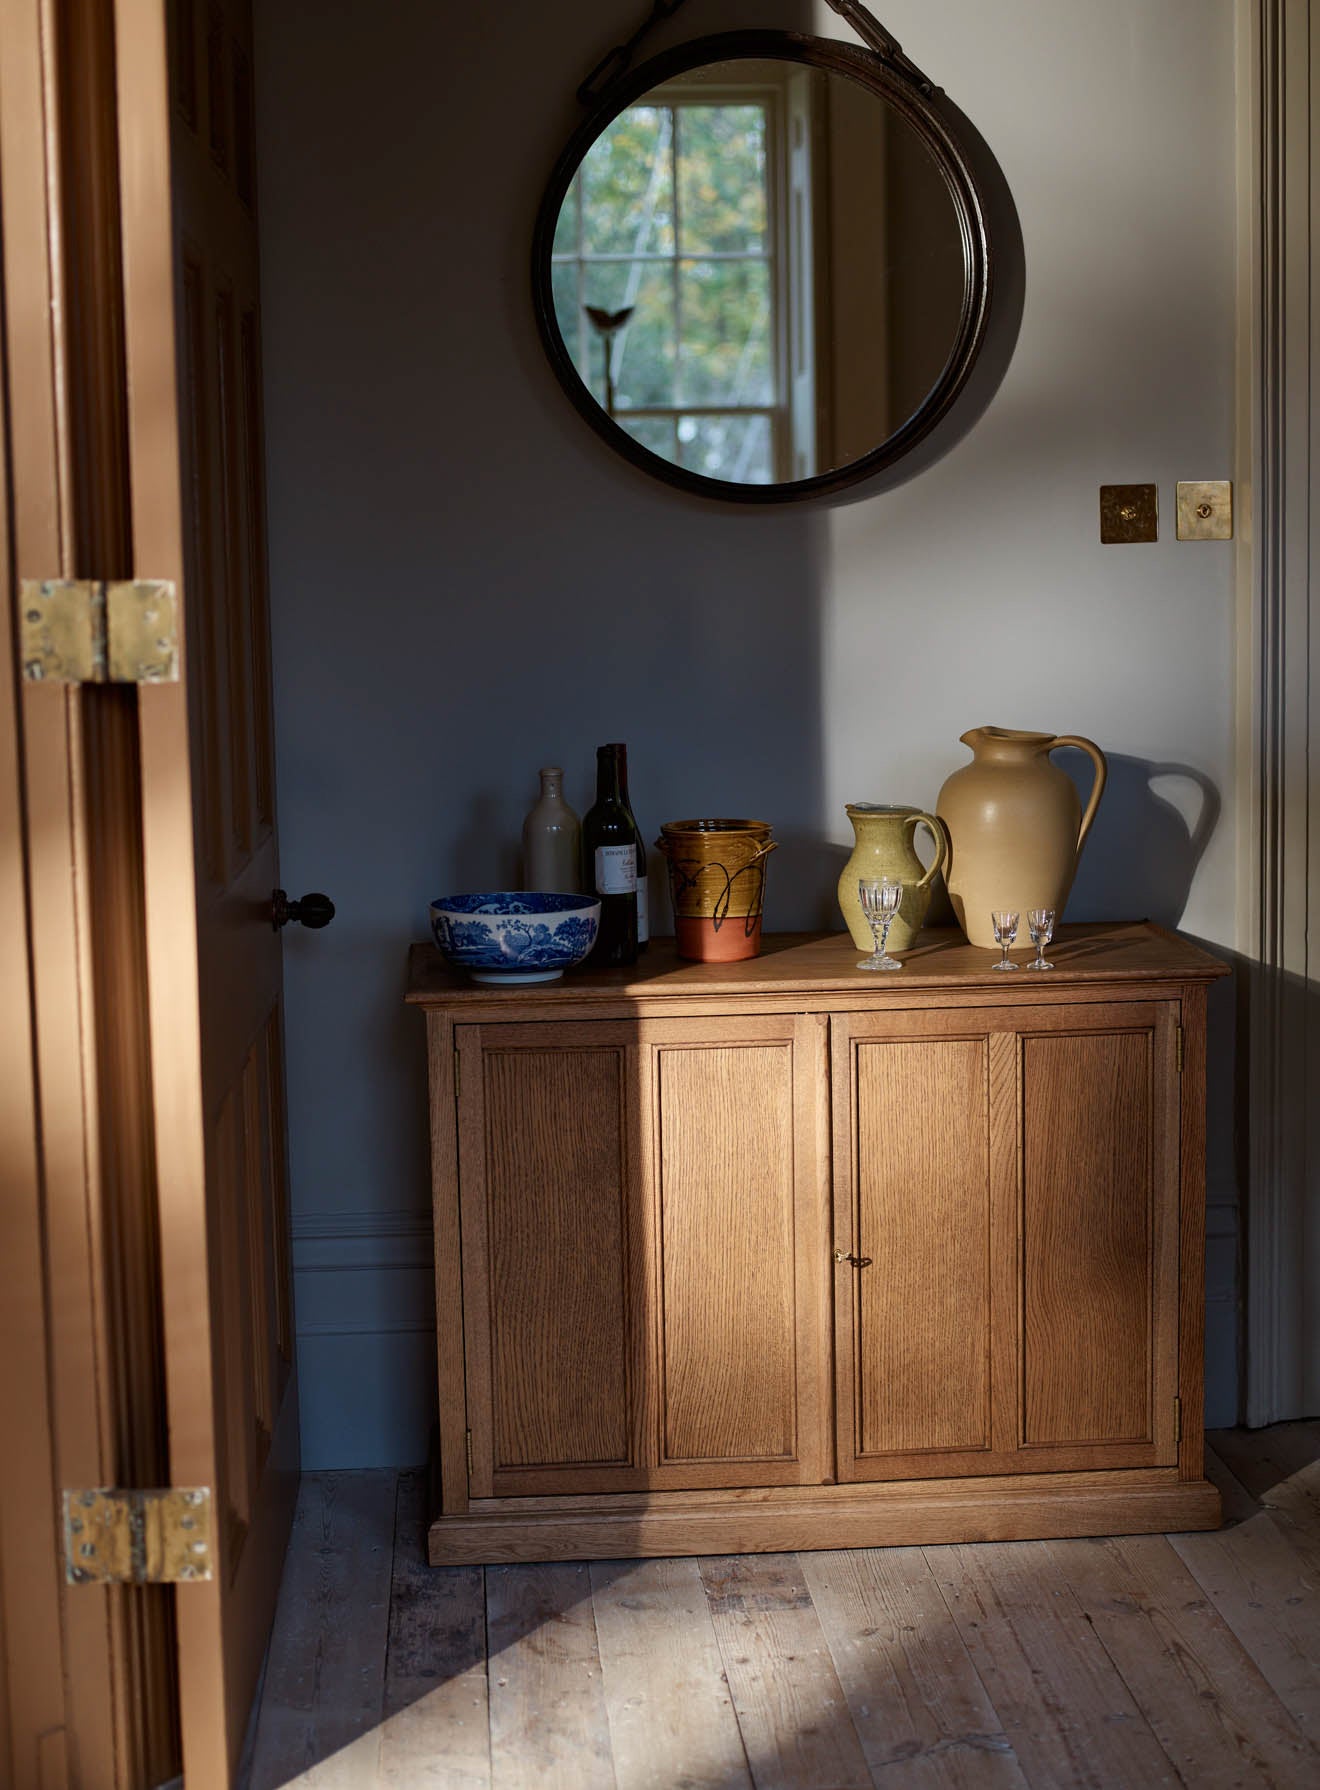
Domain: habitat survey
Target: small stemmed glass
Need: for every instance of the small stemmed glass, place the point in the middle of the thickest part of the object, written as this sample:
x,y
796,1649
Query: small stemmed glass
x,y
1006,930
880,898
1041,922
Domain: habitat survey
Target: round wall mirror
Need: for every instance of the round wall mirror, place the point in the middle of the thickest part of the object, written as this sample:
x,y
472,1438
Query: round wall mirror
x,y
762,266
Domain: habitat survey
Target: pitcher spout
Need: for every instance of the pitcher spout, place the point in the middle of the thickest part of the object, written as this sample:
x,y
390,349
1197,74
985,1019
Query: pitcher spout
x,y
1008,741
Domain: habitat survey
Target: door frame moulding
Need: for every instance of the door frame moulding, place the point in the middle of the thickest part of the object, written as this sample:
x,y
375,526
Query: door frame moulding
x,y
85,1214
33,1737
1278,459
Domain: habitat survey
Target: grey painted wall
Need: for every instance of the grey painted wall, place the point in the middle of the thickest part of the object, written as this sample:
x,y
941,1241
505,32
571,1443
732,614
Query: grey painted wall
x,y
467,585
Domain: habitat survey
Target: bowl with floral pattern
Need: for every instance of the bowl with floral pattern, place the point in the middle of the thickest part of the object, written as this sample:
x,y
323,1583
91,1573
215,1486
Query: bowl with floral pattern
x,y
515,936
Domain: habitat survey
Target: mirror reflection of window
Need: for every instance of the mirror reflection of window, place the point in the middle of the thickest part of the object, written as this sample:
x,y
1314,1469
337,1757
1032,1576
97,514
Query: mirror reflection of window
x,y
672,218
758,271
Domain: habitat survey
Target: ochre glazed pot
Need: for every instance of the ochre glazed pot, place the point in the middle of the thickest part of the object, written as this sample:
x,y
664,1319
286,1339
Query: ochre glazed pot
x,y
885,848
1015,826
717,883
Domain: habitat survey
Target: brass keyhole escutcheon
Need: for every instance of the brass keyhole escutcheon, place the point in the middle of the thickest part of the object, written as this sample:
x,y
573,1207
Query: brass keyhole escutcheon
x,y
1204,509
858,1261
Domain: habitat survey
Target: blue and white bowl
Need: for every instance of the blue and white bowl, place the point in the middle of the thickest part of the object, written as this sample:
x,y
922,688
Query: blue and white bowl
x,y
515,937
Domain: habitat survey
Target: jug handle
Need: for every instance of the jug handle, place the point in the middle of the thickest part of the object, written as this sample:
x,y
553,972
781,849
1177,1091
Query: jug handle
x,y
1097,758
936,830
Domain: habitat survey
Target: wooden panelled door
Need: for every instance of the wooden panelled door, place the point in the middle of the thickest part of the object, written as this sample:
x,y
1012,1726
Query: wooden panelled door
x,y
644,1228
149,852
193,343
1008,1188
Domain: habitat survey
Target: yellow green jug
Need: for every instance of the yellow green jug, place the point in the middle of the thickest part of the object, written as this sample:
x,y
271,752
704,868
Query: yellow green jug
x,y
885,847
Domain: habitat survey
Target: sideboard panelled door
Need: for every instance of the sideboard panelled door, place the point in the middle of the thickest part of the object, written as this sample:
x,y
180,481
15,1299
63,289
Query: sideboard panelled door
x,y
629,1325
214,961
737,1215
1098,1199
925,1306
549,1137
1008,1188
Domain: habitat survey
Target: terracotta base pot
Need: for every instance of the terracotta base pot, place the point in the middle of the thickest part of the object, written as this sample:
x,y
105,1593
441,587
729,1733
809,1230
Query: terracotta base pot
x,y
697,938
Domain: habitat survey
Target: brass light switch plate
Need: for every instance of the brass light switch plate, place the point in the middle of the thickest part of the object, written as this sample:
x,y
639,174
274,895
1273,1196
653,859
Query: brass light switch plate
x,y
1128,513
1205,510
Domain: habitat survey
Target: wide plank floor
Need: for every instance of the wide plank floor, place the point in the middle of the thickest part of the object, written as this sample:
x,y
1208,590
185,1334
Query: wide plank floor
x,y
1115,1663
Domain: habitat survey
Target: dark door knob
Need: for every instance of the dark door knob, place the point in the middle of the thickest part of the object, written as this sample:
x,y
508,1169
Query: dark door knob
x,y
313,910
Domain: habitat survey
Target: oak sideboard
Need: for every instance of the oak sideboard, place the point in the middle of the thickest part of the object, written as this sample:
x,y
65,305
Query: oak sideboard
x,y
781,1254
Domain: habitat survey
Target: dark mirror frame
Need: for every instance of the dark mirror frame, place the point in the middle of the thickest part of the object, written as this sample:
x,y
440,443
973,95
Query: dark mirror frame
x,y
939,126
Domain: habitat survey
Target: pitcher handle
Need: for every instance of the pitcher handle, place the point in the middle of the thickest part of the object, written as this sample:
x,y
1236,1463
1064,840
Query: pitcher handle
x,y
936,830
1097,758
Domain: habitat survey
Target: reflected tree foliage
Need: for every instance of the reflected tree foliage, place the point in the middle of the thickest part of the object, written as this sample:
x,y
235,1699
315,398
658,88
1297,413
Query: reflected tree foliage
x,y
669,215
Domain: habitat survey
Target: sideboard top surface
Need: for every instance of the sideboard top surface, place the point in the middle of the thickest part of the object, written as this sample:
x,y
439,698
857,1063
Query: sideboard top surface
x,y
798,963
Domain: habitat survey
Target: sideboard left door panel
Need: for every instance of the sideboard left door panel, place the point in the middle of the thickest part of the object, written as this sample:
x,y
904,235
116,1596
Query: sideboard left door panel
x,y
547,1142
644,1213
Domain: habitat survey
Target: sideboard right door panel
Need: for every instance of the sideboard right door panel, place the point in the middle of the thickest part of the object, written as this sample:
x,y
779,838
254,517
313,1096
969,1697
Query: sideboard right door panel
x,y
1099,1239
1007,1184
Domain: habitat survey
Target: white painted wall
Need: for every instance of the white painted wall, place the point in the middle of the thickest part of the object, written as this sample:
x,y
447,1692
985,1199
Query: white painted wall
x,y
466,584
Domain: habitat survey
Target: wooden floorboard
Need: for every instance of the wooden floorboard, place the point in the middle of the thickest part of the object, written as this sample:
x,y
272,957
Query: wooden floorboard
x,y
436,1732
794,1718
1268,1458
1283,1472
1238,1503
548,1724
916,1699
1204,1698
1068,1714
323,1694
1253,1576
1190,1660
671,1715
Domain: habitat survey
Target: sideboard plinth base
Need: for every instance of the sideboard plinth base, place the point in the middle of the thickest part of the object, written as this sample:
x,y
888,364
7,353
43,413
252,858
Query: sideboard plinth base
x,y
739,1522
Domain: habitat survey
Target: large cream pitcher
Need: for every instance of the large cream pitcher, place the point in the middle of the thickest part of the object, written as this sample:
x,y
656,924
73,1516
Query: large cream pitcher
x,y
1016,827
885,848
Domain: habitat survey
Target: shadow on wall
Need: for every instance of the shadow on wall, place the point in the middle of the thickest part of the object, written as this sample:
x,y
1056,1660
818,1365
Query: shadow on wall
x,y
1151,830
802,881
545,596
1143,851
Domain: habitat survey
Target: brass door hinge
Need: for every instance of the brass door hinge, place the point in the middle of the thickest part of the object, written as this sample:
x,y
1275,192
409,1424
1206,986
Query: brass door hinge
x,y
1177,1421
1178,1050
469,1453
80,631
137,1538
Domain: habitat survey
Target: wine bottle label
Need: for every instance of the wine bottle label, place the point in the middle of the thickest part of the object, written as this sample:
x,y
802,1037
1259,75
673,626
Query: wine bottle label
x,y
616,869
643,911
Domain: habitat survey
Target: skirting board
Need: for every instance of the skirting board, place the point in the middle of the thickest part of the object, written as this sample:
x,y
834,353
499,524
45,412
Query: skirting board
x,y
835,1517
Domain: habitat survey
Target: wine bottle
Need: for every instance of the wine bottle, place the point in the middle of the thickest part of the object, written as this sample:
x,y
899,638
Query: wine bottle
x,y
552,839
643,893
609,859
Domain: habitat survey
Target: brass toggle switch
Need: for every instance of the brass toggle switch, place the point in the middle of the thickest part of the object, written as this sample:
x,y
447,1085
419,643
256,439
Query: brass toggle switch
x,y
1205,510
1128,513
